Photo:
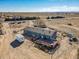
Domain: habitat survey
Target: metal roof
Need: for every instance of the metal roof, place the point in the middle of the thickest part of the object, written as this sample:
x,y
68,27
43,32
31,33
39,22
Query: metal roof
x,y
46,31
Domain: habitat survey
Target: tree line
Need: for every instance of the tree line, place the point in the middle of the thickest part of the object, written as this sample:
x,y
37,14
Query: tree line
x,y
21,18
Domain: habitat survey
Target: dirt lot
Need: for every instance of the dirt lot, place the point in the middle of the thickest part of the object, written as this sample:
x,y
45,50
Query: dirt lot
x,y
25,51
28,51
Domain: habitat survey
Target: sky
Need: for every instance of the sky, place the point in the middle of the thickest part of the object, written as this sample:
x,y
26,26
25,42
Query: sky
x,y
39,5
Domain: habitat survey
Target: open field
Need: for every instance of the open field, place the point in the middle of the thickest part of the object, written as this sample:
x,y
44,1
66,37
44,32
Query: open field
x,y
27,50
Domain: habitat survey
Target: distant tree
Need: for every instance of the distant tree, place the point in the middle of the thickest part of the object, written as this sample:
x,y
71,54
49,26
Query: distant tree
x,y
48,17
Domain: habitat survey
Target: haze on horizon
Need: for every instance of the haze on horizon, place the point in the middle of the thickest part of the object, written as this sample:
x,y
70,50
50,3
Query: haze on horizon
x,y
39,5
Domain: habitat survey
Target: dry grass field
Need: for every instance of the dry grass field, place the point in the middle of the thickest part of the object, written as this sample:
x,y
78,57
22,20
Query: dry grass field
x,y
27,50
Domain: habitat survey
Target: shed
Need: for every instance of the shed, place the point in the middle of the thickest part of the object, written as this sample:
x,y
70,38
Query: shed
x,y
19,37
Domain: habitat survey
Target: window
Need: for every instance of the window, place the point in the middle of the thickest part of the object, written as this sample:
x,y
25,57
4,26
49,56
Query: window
x,y
49,31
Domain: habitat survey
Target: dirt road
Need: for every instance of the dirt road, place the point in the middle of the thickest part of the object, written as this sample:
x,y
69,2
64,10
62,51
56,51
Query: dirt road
x,y
28,51
21,52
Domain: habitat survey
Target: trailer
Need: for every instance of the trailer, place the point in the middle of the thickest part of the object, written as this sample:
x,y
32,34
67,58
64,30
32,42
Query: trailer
x,y
43,38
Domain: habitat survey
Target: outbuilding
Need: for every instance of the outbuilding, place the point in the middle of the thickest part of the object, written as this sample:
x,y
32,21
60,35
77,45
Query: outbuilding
x,y
19,39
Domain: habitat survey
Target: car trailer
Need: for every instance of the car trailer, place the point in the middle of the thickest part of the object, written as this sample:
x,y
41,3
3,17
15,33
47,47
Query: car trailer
x,y
50,49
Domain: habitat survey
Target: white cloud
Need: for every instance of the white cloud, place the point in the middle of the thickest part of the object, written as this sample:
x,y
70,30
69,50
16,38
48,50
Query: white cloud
x,y
45,9
60,9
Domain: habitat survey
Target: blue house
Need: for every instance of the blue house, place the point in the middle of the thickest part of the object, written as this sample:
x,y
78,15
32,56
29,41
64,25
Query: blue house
x,y
43,34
